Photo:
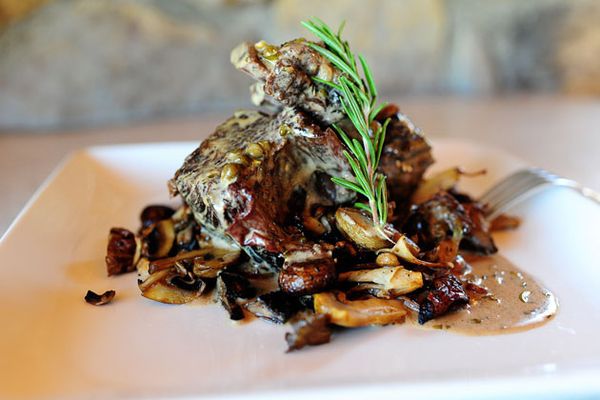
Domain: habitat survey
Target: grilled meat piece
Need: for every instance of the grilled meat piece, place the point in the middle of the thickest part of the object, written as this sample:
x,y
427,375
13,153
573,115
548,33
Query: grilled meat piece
x,y
239,182
405,158
285,74
444,293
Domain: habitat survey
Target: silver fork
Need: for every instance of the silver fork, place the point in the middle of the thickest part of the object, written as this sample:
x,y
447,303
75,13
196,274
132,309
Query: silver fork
x,y
524,183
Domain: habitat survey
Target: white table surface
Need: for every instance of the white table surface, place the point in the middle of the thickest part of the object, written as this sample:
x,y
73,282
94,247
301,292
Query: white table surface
x,y
557,133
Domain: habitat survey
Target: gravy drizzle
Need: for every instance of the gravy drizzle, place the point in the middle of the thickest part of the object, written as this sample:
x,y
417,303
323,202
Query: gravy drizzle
x,y
515,301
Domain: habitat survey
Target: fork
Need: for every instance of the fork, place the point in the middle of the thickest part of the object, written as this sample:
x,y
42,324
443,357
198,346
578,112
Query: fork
x,y
524,183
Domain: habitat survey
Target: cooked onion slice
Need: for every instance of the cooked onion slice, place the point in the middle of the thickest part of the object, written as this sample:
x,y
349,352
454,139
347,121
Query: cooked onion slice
x,y
408,250
357,313
444,180
395,280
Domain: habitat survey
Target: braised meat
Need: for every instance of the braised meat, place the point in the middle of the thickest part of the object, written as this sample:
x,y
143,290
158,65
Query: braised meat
x,y
405,158
240,181
285,73
265,227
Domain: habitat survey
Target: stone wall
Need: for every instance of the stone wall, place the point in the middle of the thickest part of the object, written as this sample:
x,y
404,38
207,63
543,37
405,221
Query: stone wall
x,y
71,63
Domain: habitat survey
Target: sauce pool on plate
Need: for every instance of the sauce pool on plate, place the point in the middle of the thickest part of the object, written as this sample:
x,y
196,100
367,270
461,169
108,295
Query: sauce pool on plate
x,y
515,301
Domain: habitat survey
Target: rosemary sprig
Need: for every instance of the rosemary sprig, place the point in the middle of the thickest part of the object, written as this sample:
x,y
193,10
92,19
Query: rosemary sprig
x,y
359,101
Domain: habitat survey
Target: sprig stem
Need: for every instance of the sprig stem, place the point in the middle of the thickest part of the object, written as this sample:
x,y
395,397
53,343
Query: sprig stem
x,y
358,95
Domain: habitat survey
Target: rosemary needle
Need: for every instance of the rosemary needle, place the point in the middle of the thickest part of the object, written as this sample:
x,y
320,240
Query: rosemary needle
x,y
358,95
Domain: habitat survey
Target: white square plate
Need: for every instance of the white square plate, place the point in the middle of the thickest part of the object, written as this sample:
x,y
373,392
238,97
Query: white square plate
x,y
54,345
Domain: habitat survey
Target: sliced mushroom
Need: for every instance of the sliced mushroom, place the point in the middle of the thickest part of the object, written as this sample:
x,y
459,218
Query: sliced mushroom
x,y
357,313
207,262
407,250
395,280
358,227
232,288
122,252
165,291
158,239
442,181
174,285
96,299
186,238
275,307
155,213
309,329
166,263
216,259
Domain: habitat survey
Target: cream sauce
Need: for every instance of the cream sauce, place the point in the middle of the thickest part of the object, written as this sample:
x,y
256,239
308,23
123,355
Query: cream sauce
x,y
515,301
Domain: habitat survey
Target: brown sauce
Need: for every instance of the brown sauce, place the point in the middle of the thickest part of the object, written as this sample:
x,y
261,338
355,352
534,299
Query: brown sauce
x,y
515,301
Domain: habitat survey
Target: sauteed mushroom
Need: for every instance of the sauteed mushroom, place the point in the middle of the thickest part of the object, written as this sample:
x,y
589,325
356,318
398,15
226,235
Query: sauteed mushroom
x,y
96,299
358,227
309,329
232,288
122,252
173,285
307,277
407,250
442,181
158,239
356,313
394,280
155,213
275,307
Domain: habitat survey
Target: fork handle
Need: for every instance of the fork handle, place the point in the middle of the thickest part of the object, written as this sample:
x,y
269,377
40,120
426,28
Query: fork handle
x,y
589,193
583,190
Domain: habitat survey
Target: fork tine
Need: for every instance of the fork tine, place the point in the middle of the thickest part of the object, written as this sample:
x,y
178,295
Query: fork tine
x,y
507,199
505,186
510,190
502,186
524,183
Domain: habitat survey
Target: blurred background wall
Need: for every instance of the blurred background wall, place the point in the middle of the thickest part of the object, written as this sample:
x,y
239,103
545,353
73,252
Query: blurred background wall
x,y
79,63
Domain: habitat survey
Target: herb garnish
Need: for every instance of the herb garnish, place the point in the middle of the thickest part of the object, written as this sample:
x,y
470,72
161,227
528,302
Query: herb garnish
x,y
359,101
